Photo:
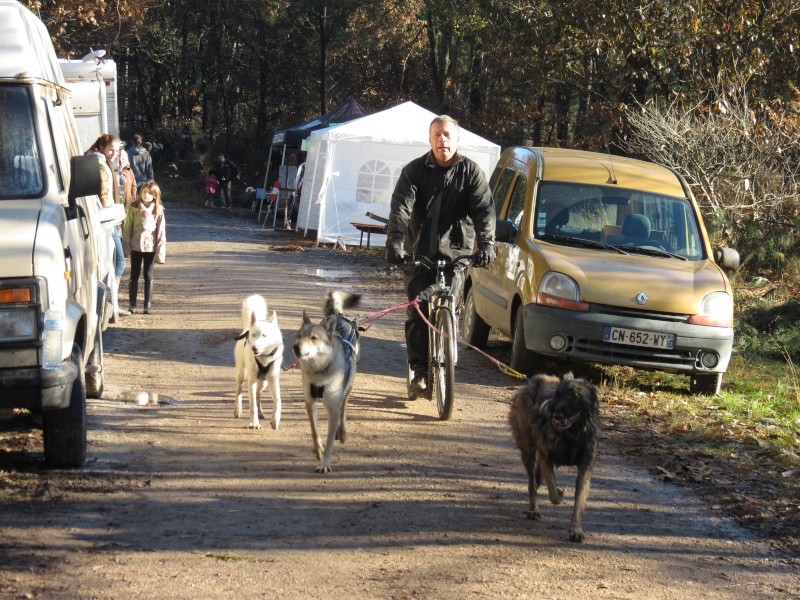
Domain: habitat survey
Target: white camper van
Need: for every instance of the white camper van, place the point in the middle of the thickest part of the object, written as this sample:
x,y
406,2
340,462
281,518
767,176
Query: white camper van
x,y
51,351
93,83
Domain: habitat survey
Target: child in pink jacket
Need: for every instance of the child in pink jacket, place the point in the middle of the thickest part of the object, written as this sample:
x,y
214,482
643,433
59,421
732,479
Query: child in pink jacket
x,y
144,236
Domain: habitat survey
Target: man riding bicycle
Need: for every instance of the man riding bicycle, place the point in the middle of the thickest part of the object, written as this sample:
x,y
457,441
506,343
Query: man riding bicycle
x,y
441,203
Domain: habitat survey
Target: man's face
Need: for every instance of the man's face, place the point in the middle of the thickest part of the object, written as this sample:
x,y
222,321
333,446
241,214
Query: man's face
x,y
221,158
444,142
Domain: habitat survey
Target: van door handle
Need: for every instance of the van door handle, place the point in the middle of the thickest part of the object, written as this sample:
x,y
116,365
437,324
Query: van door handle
x,y
84,222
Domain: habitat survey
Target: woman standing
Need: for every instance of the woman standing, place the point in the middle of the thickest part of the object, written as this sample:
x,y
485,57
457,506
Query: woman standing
x,y
107,147
145,235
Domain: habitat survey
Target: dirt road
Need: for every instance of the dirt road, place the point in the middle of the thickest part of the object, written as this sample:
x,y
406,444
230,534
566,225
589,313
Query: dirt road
x,y
181,500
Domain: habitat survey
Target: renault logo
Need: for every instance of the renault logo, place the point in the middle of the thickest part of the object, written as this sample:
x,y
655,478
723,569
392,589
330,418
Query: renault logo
x,y
641,298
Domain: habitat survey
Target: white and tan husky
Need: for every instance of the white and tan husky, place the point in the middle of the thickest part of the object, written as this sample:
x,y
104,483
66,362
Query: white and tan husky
x,y
327,353
258,356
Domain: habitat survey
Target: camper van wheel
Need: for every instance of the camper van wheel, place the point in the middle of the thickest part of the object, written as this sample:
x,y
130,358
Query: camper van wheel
x,y
65,429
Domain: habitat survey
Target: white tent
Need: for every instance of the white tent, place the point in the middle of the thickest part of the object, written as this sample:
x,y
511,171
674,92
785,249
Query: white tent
x,y
352,168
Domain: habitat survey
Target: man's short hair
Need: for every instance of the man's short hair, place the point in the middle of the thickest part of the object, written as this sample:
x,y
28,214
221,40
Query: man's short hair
x,y
444,119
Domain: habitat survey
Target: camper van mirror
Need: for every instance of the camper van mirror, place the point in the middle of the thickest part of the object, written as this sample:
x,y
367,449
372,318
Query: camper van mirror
x,y
84,180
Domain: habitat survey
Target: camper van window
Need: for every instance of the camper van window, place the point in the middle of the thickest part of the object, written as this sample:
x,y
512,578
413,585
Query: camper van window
x,y
20,167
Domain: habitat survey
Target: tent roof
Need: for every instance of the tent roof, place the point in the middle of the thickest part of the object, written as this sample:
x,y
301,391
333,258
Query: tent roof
x,y
293,136
397,125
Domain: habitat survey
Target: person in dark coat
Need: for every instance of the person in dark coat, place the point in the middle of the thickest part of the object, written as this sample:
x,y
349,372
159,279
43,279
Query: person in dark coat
x,y
440,205
225,171
141,162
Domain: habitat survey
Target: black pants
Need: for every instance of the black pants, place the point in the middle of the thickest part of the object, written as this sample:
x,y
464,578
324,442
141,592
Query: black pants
x,y
421,282
139,260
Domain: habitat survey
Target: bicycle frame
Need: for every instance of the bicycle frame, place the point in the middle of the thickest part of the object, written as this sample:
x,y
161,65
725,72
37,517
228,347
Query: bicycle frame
x,y
443,335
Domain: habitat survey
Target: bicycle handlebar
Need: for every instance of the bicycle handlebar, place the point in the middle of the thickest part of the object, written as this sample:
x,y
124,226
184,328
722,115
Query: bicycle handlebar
x,y
429,263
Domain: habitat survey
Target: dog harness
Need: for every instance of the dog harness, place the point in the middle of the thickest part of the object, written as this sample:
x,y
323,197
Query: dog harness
x,y
262,368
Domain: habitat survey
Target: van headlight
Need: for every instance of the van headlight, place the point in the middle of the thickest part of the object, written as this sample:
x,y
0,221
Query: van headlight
x,y
558,290
18,324
716,310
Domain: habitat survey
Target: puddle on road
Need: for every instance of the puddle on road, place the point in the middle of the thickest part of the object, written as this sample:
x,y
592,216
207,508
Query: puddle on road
x,y
325,273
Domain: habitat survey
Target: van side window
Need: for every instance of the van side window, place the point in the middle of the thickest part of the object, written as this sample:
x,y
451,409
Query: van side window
x,y
20,164
499,183
60,153
516,205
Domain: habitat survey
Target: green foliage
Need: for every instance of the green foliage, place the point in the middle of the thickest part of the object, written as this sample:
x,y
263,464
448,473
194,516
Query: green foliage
x,y
767,246
770,330
758,407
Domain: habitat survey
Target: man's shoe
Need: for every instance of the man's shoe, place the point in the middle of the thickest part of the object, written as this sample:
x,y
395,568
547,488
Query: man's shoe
x,y
418,387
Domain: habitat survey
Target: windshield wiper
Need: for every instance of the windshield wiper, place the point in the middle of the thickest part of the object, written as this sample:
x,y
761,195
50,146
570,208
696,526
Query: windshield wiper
x,y
579,241
650,251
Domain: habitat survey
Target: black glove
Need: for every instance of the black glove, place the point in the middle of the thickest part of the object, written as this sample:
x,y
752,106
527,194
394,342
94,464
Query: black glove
x,y
395,253
486,254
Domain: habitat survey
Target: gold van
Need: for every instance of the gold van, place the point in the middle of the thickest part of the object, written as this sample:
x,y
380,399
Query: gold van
x,y
603,259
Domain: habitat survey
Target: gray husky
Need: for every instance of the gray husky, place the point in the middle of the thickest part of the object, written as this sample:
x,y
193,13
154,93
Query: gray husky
x,y
327,353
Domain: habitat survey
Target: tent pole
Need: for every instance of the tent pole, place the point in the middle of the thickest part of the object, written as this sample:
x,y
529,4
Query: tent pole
x,y
266,176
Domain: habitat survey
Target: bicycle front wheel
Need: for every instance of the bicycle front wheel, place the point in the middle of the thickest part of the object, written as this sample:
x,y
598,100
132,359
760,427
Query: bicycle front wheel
x,y
443,361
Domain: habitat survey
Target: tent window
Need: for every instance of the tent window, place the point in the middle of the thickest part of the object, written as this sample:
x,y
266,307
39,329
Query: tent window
x,y
374,183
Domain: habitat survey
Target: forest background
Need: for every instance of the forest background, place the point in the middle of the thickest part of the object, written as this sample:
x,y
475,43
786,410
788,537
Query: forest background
x,y
710,87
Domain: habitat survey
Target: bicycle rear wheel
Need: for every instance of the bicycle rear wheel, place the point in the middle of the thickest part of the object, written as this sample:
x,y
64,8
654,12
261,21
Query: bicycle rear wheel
x,y
443,361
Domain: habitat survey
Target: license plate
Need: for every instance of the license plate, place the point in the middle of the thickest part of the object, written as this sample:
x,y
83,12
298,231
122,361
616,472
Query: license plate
x,y
635,337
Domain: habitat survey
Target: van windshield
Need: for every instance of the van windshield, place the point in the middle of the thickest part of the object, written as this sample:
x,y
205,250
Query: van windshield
x,y
20,166
622,218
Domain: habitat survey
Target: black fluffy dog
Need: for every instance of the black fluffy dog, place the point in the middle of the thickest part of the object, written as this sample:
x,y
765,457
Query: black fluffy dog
x,y
557,422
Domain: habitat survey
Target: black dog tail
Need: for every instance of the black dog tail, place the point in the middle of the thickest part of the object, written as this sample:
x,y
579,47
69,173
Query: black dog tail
x,y
337,301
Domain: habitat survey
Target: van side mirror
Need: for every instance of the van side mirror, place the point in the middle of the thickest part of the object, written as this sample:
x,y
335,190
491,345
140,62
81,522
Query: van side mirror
x,y
727,258
505,231
84,180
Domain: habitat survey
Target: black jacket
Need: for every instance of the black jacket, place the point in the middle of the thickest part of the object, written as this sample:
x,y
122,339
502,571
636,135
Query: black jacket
x,y
467,208
225,172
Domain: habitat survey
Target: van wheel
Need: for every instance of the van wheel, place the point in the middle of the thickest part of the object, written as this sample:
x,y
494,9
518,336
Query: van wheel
x,y
522,359
476,330
705,385
95,368
65,429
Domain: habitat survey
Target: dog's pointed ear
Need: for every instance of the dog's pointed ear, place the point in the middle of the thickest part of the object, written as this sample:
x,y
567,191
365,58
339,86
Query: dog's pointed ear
x,y
273,318
253,318
306,320
568,376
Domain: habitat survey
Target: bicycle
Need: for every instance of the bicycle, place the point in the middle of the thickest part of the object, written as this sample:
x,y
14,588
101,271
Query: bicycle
x,y
442,345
